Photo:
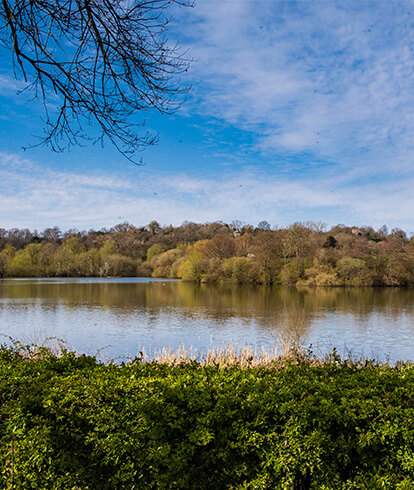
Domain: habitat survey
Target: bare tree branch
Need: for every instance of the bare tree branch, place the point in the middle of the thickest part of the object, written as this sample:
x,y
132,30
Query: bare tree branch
x,y
95,62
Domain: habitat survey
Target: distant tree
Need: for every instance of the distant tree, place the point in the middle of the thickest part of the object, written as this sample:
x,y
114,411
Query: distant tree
x,y
247,229
316,226
94,61
210,230
154,250
268,250
71,233
154,227
295,255
19,238
410,246
263,225
221,247
237,225
383,231
330,242
244,244
297,240
52,234
399,235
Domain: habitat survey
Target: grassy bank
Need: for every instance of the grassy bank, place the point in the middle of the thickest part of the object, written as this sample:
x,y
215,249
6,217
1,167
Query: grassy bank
x,y
69,421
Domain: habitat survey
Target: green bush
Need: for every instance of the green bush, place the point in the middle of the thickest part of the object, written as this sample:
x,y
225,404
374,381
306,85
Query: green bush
x,y
155,250
26,262
238,270
163,263
353,272
292,272
71,422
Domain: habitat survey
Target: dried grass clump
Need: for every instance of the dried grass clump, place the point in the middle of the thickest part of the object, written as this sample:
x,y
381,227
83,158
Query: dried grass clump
x,y
291,330
227,356
38,349
287,351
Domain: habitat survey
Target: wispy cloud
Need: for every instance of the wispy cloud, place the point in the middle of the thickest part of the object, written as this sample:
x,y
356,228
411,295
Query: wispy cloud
x,y
324,77
322,93
9,86
36,197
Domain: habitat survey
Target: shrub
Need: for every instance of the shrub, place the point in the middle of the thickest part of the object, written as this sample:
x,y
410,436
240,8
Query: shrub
x,y
238,270
292,272
26,262
154,250
353,272
71,422
194,267
162,264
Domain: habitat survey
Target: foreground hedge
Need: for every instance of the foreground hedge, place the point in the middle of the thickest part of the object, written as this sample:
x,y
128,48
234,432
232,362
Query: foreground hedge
x,y
71,422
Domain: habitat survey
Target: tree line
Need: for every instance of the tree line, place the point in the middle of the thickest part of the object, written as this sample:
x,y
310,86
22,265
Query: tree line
x,y
303,254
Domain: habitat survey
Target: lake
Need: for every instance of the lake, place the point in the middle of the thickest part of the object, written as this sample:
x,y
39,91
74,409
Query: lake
x,y
116,318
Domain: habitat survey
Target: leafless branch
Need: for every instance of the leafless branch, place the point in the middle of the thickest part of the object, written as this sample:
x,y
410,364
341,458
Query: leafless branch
x,y
95,62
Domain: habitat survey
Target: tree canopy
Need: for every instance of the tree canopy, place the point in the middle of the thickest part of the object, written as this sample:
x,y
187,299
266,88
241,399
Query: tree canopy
x,y
302,254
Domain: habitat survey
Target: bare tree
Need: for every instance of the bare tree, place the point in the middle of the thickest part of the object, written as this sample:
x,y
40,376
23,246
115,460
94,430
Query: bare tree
x,y
95,62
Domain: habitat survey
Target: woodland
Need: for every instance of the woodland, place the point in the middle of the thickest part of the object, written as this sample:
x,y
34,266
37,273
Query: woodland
x,y
302,254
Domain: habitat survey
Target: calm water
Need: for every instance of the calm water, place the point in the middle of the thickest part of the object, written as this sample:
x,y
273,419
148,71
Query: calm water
x,y
118,317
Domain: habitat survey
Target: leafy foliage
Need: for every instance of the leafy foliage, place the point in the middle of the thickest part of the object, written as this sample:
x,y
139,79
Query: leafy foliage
x,y
301,254
72,422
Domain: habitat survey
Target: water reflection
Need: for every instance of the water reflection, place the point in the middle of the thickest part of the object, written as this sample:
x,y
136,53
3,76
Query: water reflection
x,y
213,300
171,313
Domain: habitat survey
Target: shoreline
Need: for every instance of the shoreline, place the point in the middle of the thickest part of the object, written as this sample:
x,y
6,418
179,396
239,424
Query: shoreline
x,y
221,283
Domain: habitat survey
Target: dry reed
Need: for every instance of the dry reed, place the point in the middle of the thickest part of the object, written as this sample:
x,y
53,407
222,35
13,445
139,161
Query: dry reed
x,y
225,356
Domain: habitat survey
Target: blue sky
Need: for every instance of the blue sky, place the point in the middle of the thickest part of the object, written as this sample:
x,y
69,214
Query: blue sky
x,y
298,111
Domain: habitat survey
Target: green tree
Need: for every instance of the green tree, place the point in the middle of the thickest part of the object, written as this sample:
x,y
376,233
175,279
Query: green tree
x,y
26,262
162,264
6,256
154,250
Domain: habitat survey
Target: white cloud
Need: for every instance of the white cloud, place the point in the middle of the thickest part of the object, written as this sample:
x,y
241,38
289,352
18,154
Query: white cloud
x,y
35,197
322,85
322,77
9,86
